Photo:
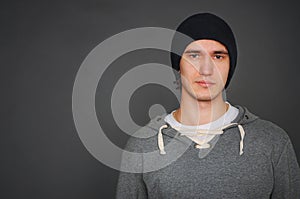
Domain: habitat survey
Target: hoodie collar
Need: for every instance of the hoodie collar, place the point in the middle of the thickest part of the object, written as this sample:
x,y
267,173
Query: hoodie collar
x,y
244,117
158,123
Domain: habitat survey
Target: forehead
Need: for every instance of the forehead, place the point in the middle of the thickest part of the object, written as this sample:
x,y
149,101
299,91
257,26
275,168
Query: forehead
x,y
207,45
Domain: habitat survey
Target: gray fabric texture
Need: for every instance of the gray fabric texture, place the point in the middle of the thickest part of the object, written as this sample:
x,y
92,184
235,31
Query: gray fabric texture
x,y
268,168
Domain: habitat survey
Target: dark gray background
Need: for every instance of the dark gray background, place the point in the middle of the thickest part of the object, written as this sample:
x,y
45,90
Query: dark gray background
x,y
43,44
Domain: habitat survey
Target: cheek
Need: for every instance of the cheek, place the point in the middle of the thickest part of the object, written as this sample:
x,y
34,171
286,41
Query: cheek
x,y
182,65
187,69
222,70
223,73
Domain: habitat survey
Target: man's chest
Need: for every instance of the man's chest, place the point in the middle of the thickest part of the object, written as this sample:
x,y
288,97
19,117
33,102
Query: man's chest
x,y
230,176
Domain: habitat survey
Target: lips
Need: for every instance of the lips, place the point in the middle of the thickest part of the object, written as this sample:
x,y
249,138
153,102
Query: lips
x,y
205,83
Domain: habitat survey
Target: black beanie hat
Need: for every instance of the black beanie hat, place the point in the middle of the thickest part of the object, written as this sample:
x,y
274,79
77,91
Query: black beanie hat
x,y
204,26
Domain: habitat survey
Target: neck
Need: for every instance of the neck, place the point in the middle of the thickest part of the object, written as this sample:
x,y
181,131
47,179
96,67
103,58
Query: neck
x,y
200,112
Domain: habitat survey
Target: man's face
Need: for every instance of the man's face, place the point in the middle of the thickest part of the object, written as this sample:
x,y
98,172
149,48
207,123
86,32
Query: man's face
x,y
204,68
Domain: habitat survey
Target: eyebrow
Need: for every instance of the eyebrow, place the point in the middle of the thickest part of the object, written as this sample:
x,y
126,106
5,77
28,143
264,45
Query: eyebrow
x,y
220,52
214,52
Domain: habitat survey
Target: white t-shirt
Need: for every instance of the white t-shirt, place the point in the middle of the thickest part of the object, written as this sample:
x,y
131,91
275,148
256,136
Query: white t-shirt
x,y
225,119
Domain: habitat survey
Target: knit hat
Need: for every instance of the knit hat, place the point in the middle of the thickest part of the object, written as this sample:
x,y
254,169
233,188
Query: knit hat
x,y
204,26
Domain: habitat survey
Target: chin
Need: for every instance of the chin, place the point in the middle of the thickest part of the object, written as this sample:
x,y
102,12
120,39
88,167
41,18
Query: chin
x,y
201,95
208,97
203,98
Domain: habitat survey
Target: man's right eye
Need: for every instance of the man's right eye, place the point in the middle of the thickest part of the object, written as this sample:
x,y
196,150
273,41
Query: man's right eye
x,y
193,55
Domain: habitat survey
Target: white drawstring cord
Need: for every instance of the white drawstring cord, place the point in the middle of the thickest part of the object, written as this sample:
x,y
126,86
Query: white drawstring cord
x,y
203,131
242,132
161,141
200,131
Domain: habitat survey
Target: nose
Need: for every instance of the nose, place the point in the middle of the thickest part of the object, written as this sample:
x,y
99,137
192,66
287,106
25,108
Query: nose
x,y
206,66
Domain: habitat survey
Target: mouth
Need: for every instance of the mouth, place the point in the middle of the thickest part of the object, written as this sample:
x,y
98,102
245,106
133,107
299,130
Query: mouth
x,y
205,84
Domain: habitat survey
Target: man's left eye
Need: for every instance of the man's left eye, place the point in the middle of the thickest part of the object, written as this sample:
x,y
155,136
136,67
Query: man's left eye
x,y
219,56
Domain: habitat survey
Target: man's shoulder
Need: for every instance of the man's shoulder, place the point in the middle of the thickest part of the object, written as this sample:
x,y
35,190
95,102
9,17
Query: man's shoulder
x,y
145,138
261,128
266,130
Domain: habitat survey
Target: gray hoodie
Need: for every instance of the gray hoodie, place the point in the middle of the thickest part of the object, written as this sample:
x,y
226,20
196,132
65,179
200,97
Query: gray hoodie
x,y
261,165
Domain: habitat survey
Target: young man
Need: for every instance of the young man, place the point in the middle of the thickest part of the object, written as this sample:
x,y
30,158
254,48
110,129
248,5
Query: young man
x,y
208,148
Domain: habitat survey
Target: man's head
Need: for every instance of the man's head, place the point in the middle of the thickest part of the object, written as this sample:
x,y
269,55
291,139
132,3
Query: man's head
x,y
205,26
204,68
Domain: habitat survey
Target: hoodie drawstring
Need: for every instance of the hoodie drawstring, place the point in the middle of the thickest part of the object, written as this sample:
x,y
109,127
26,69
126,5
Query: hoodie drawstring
x,y
242,132
200,131
161,140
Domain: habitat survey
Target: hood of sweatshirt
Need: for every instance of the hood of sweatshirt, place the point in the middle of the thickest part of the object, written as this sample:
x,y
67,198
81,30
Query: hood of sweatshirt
x,y
161,129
